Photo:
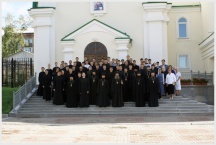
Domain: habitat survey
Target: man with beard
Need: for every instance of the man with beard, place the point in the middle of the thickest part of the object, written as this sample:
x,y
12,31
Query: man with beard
x,y
103,92
153,90
139,90
65,84
117,91
58,88
126,85
93,88
98,71
89,72
147,75
130,81
40,78
104,71
110,77
71,93
46,83
84,88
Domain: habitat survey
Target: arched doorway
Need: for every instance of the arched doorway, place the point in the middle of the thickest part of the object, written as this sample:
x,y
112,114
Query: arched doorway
x,y
95,50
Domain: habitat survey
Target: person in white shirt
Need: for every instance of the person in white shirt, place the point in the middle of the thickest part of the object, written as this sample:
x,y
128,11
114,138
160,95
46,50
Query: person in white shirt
x,y
87,64
178,82
170,82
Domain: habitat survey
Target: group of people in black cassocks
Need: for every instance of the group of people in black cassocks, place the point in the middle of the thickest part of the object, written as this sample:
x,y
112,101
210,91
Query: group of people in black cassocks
x,y
81,85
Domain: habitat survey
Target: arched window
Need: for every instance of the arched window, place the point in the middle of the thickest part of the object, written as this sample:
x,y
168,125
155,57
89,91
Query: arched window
x,y
182,28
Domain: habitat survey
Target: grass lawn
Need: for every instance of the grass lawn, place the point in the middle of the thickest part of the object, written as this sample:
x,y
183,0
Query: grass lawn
x,y
7,99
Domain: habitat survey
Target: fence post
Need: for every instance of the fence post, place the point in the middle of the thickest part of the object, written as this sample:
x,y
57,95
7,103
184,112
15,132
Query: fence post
x,y
12,85
14,79
26,70
198,74
31,67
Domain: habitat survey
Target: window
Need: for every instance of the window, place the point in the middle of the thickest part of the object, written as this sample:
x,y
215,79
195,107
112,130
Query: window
x,y
28,42
182,28
28,49
183,61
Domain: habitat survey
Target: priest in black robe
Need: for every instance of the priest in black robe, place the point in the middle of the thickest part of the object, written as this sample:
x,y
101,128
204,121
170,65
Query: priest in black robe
x,y
117,91
93,88
84,88
40,78
71,93
146,77
110,77
103,92
139,90
64,76
46,83
126,85
153,89
58,88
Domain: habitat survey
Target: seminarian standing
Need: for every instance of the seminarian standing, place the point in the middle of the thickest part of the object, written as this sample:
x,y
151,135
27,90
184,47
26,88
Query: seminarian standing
x,y
153,90
93,88
139,90
46,83
40,78
58,88
117,91
84,88
103,92
71,93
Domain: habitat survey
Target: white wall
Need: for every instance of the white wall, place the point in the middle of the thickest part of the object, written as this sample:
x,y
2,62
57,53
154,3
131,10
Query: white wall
x,y
189,46
126,17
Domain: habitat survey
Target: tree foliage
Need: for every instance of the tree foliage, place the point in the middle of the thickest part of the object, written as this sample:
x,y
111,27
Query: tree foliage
x,y
13,39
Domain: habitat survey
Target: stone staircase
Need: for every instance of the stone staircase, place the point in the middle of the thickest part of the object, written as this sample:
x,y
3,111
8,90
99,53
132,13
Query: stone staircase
x,y
37,107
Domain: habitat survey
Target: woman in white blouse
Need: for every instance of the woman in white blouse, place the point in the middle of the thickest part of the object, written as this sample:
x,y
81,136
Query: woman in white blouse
x,y
170,83
178,82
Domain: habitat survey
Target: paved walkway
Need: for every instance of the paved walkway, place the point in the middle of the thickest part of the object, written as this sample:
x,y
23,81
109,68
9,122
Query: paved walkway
x,y
109,129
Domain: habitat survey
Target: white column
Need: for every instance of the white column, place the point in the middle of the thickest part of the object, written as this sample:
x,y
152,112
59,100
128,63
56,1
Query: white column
x,y
44,45
155,30
122,48
68,50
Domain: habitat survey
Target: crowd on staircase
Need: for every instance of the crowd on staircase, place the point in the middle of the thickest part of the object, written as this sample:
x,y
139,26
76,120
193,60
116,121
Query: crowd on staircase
x,y
96,82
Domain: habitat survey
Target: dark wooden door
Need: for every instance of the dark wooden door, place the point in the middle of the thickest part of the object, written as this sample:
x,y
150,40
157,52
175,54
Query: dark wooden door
x,y
95,50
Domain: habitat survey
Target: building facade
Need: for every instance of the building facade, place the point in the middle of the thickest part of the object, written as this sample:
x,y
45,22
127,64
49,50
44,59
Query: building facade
x,y
180,33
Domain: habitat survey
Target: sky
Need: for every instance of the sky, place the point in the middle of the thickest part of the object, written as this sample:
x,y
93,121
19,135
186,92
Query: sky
x,y
16,8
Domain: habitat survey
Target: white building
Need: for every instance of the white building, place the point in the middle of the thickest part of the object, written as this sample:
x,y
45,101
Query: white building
x,y
180,33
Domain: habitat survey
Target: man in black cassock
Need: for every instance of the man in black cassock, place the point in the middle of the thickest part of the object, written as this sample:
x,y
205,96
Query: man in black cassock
x,y
103,92
40,78
93,88
71,93
130,81
153,90
58,88
46,83
110,77
139,90
64,76
84,88
146,77
117,91
126,85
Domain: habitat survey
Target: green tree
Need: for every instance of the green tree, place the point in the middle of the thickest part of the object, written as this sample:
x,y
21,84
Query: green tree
x,y
13,39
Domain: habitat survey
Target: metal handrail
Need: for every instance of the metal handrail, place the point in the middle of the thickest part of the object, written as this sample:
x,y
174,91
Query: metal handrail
x,y
23,92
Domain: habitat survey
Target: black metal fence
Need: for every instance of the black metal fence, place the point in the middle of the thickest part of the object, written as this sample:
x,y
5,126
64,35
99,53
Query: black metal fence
x,y
15,72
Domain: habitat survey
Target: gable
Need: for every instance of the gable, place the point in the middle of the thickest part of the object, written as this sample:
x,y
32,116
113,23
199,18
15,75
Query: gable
x,y
95,26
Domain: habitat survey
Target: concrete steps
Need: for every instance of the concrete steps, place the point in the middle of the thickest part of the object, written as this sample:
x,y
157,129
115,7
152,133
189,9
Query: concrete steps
x,y
37,107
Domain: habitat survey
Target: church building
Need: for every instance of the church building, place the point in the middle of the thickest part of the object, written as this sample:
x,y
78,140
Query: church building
x,y
180,33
